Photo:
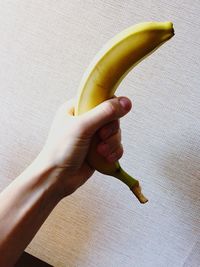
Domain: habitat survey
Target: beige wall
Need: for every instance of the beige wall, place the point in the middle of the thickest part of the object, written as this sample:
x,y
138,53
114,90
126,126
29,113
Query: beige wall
x,y
45,47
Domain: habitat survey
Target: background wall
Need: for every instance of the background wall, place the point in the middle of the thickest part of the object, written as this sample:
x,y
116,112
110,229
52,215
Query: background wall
x,y
45,47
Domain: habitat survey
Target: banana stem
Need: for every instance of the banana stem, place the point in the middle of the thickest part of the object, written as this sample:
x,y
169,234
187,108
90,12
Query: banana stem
x,y
132,183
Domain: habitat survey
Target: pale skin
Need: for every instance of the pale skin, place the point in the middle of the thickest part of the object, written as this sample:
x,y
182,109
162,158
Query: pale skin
x,y
59,170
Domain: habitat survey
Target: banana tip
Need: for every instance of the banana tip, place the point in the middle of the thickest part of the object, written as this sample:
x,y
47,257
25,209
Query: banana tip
x,y
173,32
172,28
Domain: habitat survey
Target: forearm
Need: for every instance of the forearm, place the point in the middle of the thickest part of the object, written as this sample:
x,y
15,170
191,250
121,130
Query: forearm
x,y
24,206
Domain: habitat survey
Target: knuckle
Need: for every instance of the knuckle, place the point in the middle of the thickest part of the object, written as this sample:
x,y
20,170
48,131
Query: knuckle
x,y
109,129
114,142
120,152
120,149
119,134
116,154
66,108
117,138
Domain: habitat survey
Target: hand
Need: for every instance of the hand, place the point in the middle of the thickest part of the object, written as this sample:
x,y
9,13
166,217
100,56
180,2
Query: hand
x,y
70,136
60,168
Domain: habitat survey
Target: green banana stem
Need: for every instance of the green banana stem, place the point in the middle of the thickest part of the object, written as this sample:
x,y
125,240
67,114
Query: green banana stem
x,y
131,182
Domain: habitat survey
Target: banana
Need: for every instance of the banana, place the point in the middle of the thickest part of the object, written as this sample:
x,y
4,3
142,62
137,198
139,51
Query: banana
x,y
101,79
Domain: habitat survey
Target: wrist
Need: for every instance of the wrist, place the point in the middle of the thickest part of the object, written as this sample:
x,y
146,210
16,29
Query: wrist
x,y
43,175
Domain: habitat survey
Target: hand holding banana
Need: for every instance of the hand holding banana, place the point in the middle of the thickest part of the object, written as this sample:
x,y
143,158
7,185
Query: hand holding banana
x,y
104,75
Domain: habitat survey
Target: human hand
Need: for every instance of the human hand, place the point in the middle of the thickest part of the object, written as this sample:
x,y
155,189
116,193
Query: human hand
x,y
70,136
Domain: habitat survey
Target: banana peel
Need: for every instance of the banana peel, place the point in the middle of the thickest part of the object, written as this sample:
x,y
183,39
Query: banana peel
x,y
103,76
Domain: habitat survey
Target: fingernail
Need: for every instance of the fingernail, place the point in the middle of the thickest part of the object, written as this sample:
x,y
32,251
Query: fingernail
x,y
125,103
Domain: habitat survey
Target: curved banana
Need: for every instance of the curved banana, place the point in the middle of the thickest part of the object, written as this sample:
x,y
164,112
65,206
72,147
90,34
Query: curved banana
x,y
104,75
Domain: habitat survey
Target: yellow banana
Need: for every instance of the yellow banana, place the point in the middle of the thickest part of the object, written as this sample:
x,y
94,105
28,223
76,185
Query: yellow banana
x,y
104,75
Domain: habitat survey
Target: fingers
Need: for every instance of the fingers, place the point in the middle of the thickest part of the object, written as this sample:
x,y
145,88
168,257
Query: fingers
x,y
111,147
106,112
115,155
90,122
109,129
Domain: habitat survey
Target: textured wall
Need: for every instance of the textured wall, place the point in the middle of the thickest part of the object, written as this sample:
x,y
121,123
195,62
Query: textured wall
x,y
44,48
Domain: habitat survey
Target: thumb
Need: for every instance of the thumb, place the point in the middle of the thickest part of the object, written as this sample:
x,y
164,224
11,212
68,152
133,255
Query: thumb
x,y
106,112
